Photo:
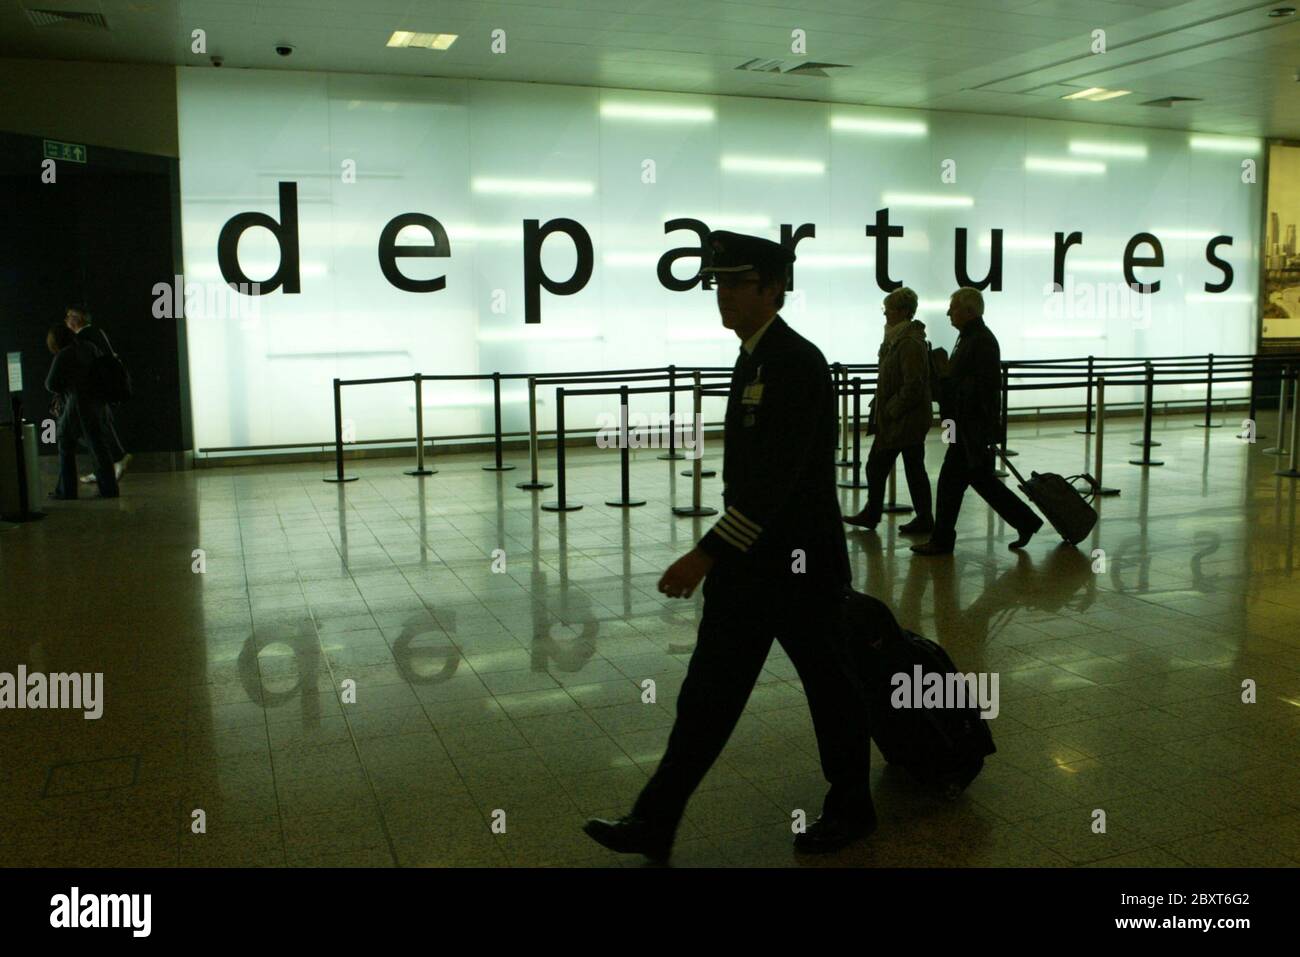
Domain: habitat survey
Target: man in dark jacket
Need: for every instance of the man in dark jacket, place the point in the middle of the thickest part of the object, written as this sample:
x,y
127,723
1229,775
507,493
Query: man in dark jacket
x,y
776,564
81,412
971,397
77,318
901,414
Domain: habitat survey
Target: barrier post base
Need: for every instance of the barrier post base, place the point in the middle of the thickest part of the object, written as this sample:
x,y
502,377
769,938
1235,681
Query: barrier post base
x,y
1212,425
1084,432
533,486
1276,451
560,507
1146,461
1105,492
693,511
420,473
1288,473
625,503
498,468
856,483
893,509
704,473
844,463
670,456
336,479
1151,445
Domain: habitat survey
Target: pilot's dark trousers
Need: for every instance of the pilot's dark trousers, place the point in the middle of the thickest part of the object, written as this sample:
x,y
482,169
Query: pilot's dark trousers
x,y
743,612
957,473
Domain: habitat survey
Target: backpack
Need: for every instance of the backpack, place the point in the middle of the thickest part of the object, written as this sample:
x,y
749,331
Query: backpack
x,y
110,378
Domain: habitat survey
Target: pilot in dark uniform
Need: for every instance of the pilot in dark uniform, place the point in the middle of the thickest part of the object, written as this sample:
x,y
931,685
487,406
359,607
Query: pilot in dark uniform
x,y
774,565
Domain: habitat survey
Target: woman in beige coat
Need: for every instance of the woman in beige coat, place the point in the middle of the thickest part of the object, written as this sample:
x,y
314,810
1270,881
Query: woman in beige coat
x,y
901,414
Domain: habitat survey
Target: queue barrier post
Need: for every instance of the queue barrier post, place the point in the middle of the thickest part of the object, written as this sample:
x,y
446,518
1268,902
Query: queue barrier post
x,y
1280,448
1087,416
672,455
419,469
338,475
533,484
1100,487
498,465
856,463
625,500
1209,394
561,503
696,508
1291,471
1147,412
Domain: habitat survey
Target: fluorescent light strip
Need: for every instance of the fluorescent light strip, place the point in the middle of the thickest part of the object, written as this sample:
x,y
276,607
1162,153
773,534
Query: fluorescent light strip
x,y
862,124
925,200
764,164
726,220
1108,95
1223,144
1084,94
1188,234
527,334
425,41
533,187
1045,164
1121,150
655,114
1220,297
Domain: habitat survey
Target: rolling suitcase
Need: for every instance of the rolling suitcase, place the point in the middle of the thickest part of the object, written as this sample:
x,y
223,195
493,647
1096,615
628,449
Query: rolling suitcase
x,y
1063,505
942,747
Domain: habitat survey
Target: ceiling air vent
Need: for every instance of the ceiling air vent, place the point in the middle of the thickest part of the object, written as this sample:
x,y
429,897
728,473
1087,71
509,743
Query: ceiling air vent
x,y
809,68
54,18
1168,101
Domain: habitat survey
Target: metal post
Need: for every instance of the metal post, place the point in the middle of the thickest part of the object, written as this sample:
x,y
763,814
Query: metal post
x,y
1254,390
1292,471
856,463
1280,448
1087,417
496,415
892,507
841,379
338,475
1209,394
533,484
697,467
419,430
561,504
1146,442
1006,397
672,455
1100,489
624,455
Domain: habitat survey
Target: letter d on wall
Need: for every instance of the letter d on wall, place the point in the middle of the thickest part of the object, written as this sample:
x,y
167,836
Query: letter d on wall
x,y
286,237
535,279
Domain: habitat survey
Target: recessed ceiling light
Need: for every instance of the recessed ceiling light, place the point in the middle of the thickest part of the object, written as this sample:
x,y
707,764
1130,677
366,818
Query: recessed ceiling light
x,y
424,41
1282,12
1096,94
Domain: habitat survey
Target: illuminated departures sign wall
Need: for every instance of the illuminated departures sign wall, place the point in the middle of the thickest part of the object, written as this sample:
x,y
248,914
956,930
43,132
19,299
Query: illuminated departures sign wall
x,y
324,186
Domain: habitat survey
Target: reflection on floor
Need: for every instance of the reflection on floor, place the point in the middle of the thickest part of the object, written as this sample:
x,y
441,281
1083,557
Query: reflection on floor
x,y
478,692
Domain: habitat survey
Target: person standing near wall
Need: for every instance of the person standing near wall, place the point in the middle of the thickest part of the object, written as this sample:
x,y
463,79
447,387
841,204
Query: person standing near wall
x,y
82,414
77,318
902,413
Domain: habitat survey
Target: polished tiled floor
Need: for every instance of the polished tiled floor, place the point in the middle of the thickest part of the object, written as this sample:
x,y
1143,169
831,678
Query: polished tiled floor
x,y
479,692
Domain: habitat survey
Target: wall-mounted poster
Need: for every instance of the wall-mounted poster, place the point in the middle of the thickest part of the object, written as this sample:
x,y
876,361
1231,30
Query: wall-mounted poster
x,y
1280,315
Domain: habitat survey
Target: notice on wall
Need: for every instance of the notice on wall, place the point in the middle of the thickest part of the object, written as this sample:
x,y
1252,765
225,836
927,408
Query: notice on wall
x,y
1280,305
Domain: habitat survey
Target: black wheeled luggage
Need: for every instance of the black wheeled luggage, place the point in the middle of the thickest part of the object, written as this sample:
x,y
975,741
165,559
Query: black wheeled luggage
x,y
1063,505
942,747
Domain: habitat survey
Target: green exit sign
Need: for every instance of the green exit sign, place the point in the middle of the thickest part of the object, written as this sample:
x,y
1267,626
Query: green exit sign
x,y
72,152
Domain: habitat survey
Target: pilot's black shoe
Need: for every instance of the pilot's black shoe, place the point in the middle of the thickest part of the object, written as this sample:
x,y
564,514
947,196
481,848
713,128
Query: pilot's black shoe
x,y
827,834
1023,535
631,835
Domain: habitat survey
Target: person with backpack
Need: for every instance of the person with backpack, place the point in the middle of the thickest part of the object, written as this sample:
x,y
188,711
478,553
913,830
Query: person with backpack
x,y
77,319
902,415
81,412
